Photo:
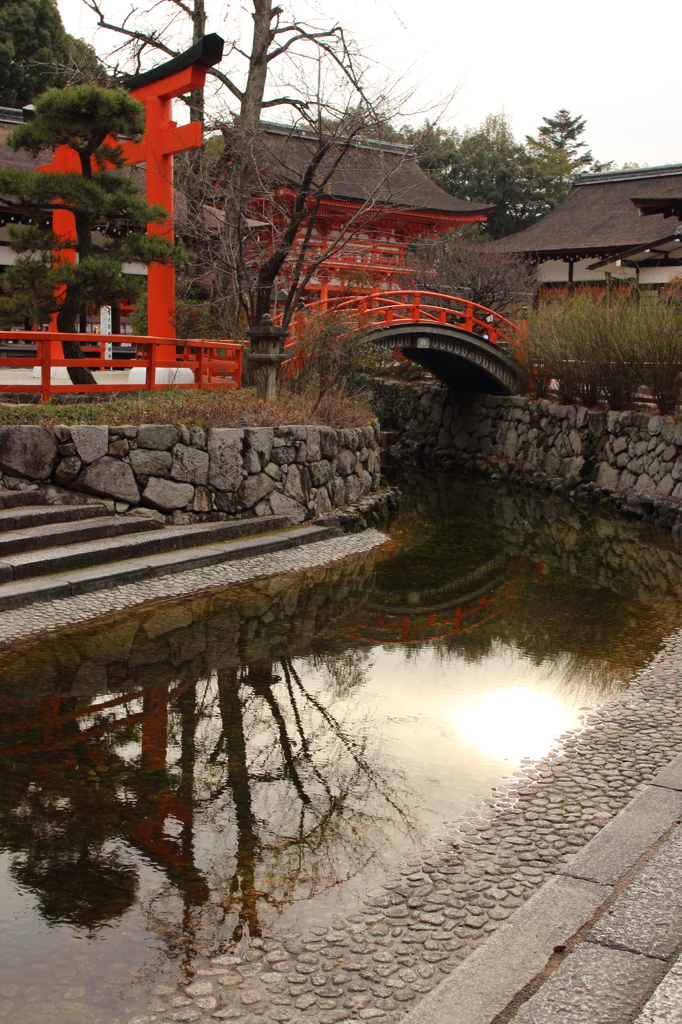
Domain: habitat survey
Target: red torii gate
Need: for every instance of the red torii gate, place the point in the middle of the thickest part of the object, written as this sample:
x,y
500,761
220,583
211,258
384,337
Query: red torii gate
x,y
162,139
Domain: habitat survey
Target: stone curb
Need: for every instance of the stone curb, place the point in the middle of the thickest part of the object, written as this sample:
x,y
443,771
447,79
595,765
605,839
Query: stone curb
x,y
518,954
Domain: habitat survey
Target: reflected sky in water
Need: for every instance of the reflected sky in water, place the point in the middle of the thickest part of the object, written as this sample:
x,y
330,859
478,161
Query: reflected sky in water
x,y
183,778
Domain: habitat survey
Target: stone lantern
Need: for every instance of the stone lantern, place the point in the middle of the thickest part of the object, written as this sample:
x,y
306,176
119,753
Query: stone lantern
x,y
266,352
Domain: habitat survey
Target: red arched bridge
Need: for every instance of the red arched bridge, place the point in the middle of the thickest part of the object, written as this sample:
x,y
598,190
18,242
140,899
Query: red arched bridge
x,y
464,344
467,346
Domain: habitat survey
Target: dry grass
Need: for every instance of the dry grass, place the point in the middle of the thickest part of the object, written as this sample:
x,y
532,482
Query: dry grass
x,y
201,408
601,347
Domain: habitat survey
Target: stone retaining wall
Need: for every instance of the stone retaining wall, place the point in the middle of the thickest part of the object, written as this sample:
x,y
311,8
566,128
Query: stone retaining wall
x,y
189,473
633,458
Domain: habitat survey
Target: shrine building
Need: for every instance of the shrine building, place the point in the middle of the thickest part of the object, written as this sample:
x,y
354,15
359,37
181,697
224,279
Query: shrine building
x,y
375,202
612,226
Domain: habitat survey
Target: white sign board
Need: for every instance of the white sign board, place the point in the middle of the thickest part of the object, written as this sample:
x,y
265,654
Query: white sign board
x,y
105,328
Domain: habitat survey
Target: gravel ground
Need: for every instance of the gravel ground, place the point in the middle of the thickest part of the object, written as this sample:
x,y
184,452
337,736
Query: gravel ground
x,y
376,964
52,616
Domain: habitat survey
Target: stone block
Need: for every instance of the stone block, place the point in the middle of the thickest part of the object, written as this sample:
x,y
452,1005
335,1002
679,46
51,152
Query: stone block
x,y
166,495
203,500
259,440
292,431
124,430
618,846
111,478
282,505
322,501
224,447
197,437
263,508
274,471
320,473
284,455
593,985
596,423
118,449
297,484
328,442
67,470
665,1006
607,476
159,436
351,438
353,488
344,463
190,465
313,443
485,983
92,442
338,491
254,489
666,485
150,463
226,502
647,916
365,482
645,485
27,450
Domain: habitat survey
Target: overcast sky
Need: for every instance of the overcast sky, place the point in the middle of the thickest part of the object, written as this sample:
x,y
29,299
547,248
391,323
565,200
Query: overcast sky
x,y
527,58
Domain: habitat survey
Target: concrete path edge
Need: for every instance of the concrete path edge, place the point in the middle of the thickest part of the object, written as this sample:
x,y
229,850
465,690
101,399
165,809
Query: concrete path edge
x,y
519,952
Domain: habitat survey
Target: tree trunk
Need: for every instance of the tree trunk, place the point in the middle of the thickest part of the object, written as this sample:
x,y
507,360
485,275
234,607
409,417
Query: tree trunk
x,y
196,99
66,322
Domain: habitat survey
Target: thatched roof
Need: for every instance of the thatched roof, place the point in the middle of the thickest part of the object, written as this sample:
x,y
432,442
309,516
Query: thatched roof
x,y
361,171
597,218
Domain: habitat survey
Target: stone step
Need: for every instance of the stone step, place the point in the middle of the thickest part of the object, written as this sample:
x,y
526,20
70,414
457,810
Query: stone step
x,y
36,538
45,515
88,554
151,566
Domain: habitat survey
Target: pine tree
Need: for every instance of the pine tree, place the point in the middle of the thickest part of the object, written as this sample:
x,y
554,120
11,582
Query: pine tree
x,y
563,132
110,213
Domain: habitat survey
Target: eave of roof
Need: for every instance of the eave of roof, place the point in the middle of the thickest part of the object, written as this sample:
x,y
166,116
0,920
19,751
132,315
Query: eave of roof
x,y
669,247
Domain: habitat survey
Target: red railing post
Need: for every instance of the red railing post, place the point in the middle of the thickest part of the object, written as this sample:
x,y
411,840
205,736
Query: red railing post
x,y
200,370
151,365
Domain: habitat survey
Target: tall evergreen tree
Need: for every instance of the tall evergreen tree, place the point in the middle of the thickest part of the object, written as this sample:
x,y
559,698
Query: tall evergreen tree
x,y
33,44
110,214
563,132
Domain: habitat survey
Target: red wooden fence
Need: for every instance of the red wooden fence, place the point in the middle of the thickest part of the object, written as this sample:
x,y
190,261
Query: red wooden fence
x,y
213,363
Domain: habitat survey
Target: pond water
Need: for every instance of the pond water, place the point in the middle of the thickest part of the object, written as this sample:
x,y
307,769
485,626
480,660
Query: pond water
x,y
185,777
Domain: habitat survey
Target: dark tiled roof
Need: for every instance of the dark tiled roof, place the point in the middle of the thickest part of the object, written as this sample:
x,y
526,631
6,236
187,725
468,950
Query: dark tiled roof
x,y
597,217
369,170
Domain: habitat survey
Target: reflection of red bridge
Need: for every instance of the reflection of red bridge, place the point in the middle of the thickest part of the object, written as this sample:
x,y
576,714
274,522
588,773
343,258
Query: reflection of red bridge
x,y
384,628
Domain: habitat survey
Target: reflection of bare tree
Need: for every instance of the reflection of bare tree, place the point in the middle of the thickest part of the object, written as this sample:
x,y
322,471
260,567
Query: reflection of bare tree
x,y
324,822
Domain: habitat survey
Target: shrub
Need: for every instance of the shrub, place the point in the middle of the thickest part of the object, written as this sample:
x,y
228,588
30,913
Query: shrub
x,y
596,347
332,345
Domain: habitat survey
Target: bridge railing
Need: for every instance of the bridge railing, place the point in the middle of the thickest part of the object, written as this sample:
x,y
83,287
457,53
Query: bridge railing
x,y
388,309
213,364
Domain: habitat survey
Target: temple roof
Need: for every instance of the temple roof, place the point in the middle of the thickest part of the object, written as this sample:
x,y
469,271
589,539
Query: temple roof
x,y
370,170
597,217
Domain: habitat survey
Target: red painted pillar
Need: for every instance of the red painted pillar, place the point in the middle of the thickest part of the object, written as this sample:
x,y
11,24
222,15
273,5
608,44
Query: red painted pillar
x,y
159,172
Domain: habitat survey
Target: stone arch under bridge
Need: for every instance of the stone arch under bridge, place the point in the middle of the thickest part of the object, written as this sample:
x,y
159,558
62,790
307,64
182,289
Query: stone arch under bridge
x,y
467,346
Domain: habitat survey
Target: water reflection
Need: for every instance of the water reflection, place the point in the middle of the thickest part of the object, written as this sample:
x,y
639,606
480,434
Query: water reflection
x,y
190,776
